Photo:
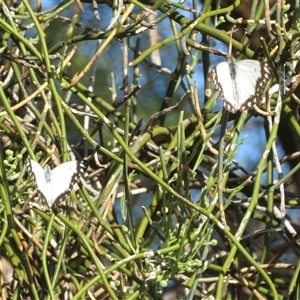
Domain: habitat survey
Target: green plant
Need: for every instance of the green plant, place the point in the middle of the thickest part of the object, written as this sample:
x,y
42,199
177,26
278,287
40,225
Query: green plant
x,y
174,205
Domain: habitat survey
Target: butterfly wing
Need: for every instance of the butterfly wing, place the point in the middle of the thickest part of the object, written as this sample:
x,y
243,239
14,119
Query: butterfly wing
x,y
240,83
251,76
222,80
63,179
38,174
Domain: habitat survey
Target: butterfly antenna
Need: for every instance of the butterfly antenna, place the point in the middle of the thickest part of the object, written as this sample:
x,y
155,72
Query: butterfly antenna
x,y
230,41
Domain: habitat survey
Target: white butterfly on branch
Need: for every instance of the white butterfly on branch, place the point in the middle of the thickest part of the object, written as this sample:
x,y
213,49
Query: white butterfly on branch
x,y
240,83
54,186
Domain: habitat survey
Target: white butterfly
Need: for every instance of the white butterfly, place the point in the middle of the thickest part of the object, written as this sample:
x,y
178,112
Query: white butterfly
x,y
55,185
240,83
